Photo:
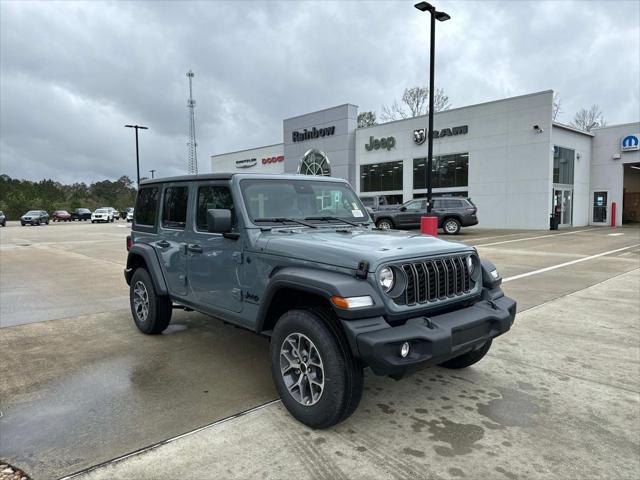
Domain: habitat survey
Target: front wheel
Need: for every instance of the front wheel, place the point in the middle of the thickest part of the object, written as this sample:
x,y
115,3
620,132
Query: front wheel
x,y
317,377
151,312
384,224
451,226
467,359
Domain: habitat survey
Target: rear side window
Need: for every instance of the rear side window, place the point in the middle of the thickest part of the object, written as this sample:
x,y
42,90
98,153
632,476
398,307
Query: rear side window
x,y
147,206
174,207
212,196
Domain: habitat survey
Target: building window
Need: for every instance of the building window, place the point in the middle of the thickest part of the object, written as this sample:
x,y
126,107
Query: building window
x,y
457,193
447,171
563,165
315,162
381,177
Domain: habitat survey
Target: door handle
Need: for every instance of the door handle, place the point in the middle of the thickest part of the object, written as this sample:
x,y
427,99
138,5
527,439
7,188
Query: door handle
x,y
163,244
194,248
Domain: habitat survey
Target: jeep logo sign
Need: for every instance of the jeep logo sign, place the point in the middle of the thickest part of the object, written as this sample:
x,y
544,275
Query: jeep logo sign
x,y
376,144
630,143
313,133
419,135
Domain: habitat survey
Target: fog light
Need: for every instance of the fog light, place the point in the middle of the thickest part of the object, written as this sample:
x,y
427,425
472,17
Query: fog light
x,y
404,350
494,274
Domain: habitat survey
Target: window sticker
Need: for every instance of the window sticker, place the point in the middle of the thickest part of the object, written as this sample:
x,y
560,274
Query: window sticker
x,y
357,213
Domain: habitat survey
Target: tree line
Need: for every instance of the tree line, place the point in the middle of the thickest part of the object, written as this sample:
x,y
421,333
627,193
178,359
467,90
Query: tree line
x,y
415,102
18,196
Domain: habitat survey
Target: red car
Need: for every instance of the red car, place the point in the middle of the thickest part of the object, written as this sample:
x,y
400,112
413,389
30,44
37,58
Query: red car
x,y
61,216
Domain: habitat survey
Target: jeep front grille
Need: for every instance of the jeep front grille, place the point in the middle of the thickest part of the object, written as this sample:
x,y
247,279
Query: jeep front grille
x,y
434,280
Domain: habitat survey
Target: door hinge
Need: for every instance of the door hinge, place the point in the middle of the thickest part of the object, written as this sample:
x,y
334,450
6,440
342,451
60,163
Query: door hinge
x,y
237,256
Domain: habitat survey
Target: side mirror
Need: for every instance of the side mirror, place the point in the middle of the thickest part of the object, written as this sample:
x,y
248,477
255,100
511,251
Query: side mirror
x,y
403,209
218,220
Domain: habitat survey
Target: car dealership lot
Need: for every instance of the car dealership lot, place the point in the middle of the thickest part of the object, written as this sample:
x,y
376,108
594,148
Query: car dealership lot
x,y
81,386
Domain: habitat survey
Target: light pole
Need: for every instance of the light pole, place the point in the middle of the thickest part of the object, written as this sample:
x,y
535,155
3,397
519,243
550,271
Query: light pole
x,y
440,16
137,127
152,172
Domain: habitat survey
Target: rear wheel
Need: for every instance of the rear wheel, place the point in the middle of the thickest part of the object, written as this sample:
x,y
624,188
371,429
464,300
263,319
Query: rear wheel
x,y
469,358
451,226
384,224
318,379
151,312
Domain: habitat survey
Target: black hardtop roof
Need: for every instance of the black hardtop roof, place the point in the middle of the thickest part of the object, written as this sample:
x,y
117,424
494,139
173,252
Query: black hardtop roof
x,y
227,176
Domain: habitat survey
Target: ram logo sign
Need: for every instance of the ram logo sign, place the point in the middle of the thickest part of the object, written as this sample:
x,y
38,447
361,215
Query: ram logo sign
x,y
630,143
420,135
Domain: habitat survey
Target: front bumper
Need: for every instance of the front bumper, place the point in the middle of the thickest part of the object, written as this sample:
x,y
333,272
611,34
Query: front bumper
x,y
432,340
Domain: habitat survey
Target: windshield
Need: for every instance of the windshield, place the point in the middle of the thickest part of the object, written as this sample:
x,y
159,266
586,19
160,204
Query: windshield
x,y
33,212
301,199
101,210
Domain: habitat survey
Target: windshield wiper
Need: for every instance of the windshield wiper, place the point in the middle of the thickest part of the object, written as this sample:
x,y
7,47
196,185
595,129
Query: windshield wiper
x,y
337,219
285,220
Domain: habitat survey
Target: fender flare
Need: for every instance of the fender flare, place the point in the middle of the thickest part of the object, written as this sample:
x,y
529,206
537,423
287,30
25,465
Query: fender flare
x,y
324,284
148,253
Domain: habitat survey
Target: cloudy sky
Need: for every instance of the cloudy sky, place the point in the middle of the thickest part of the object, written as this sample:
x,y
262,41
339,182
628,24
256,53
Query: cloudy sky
x,y
73,73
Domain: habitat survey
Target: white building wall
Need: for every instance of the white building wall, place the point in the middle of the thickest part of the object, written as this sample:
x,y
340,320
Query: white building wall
x,y
607,173
581,143
510,164
264,156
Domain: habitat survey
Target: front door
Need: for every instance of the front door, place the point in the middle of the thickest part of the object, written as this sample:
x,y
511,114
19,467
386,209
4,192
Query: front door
x,y
410,217
563,205
600,207
214,262
172,238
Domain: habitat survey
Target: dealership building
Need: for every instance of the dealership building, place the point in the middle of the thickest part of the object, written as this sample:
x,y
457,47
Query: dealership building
x,y
508,156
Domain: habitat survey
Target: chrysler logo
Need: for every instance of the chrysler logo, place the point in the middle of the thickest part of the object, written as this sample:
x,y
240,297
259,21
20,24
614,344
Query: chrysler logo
x,y
419,135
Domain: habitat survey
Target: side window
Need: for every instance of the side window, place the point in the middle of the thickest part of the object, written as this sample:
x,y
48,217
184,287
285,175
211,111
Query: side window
x,y
212,196
174,207
437,203
417,205
146,206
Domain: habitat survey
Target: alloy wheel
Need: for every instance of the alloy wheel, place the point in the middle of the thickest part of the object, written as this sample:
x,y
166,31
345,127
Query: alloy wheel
x,y
302,369
384,225
451,226
141,301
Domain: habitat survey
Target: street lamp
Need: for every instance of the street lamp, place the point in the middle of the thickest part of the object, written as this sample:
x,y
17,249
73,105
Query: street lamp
x,y
137,127
441,17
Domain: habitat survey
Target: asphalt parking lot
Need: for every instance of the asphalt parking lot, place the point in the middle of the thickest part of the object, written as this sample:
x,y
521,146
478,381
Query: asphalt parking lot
x,y
559,396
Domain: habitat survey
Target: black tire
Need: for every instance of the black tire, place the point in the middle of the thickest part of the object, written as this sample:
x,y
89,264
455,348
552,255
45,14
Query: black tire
x,y
451,226
159,307
469,358
22,223
342,373
93,221
385,224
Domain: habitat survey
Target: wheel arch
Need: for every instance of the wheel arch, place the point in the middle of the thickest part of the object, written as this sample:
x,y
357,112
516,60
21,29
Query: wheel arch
x,y
143,255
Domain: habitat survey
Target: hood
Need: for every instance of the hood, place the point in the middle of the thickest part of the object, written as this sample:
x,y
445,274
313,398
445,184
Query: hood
x,y
347,247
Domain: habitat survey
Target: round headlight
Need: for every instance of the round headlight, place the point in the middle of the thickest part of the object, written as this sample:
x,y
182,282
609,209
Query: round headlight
x,y
386,279
471,265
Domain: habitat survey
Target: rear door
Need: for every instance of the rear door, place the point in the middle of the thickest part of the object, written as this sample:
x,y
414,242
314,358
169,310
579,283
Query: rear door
x,y
214,261
171,242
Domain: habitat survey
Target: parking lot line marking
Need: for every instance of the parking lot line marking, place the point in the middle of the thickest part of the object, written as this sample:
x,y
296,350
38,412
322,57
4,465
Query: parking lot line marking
x,y
566,264
539,236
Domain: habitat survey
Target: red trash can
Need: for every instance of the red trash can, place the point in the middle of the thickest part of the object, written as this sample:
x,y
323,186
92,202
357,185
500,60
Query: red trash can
x,y
429,225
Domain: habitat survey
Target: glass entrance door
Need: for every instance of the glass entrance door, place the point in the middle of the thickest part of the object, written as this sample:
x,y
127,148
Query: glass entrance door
x,y
563,205
600,207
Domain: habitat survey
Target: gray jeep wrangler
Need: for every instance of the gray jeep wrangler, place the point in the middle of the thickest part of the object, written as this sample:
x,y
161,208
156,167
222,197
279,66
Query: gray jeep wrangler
x,y
298,259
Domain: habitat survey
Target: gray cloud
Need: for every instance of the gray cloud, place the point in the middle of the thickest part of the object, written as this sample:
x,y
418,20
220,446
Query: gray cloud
x,y
73,73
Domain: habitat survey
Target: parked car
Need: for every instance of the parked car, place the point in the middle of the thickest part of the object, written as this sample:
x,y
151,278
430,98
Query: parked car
x,y
102,215
114,213
81,214
296,258
34,217
129,214
375,203
3,219
453,213
61,216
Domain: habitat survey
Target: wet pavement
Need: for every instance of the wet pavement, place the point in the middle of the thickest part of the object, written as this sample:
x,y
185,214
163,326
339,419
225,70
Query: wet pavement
x,y
79,385
544,404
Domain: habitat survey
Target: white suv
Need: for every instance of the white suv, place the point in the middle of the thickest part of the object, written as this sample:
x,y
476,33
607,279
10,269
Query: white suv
x,y
102,215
